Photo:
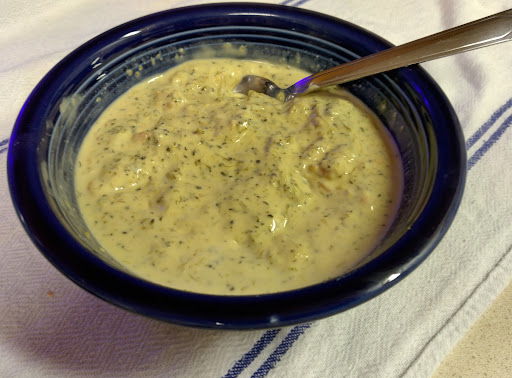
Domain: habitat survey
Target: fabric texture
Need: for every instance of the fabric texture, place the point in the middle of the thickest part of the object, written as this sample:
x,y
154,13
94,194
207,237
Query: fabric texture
x,y
51,327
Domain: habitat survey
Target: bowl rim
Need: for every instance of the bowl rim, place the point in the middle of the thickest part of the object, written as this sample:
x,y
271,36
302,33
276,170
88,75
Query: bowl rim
x,y
231,312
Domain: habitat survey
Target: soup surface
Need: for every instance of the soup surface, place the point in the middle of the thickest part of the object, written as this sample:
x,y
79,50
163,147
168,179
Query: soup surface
x,y
192,186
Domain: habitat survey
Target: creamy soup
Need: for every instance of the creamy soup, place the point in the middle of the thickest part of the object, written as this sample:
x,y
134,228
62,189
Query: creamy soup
x,y
192,186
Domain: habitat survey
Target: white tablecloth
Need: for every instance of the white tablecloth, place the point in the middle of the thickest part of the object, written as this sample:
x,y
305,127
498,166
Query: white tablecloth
x,y
51,327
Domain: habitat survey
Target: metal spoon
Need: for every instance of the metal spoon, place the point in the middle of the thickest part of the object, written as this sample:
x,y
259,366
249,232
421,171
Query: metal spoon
x,y
480,33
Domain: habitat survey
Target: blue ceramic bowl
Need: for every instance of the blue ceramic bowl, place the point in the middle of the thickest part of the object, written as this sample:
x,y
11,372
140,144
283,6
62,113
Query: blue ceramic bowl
x,y
60,110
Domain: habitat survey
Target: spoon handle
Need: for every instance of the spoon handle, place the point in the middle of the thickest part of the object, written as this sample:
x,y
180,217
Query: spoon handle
x,y
480,33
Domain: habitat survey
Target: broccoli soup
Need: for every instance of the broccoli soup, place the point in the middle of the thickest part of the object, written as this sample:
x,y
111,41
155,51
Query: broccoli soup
x,y
194,187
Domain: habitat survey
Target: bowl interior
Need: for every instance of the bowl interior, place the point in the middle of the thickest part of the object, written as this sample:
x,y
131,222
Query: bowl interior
x,y
75,92
78,111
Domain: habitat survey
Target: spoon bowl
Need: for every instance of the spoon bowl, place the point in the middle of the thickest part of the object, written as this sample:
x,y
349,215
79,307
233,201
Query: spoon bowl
x,y
263,85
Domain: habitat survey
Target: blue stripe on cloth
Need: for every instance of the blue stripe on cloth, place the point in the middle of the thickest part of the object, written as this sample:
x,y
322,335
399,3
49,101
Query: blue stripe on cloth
x,y
299,2
280,351
490,142
3,143
249,357
486,126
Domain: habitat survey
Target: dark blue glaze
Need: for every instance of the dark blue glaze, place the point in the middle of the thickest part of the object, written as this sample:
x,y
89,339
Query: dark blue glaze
x,y
44,144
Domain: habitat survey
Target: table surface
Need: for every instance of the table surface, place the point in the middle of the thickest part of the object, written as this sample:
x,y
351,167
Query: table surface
x,y
486,349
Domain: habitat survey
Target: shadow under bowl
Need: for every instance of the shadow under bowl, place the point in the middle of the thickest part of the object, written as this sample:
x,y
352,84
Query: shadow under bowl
x,y
61,109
